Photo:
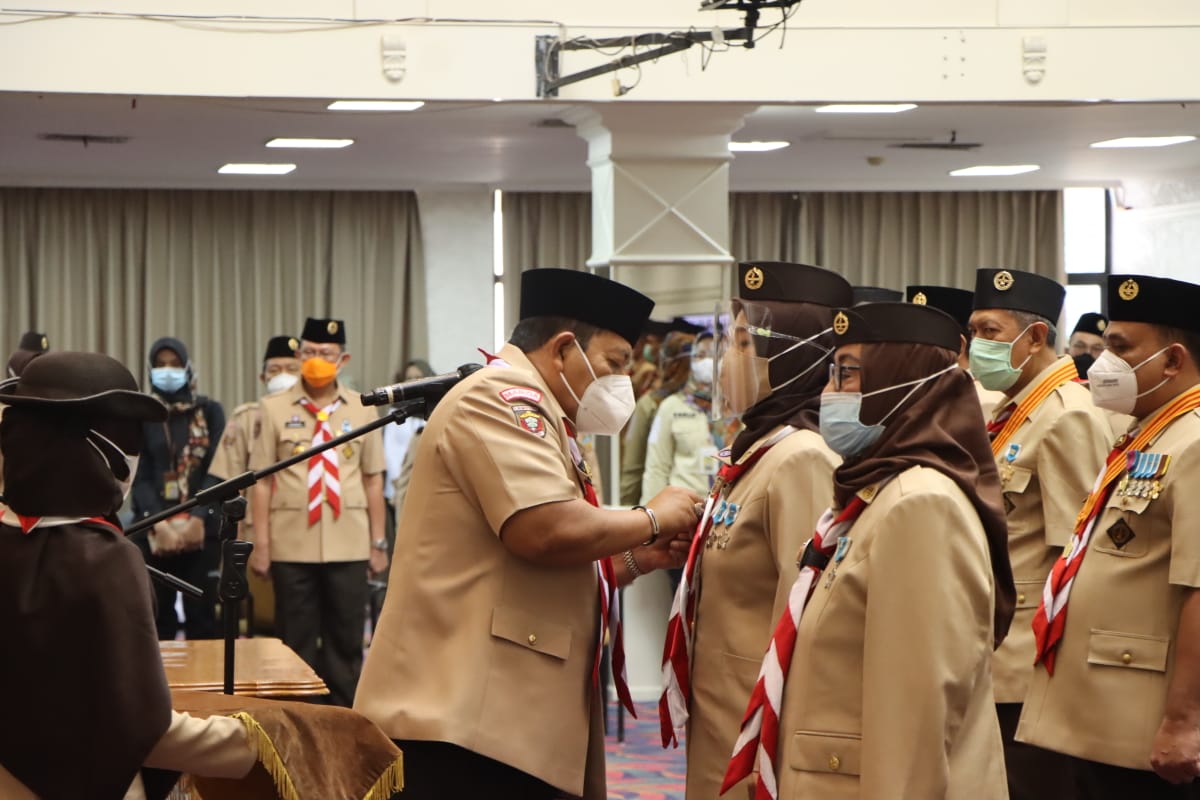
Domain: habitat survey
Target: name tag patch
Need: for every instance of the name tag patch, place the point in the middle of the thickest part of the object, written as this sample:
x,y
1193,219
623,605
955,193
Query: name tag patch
x,y
294,422
530,419
515,393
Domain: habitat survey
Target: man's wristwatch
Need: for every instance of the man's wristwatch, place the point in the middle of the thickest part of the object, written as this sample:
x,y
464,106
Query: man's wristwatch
x,y
380,544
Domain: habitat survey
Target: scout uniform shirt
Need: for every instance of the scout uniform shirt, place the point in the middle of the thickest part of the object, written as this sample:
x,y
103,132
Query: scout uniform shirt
x,y
1116,658
1047,468
889,694
679,450
746,571
633,447
477,646
232,456
287,429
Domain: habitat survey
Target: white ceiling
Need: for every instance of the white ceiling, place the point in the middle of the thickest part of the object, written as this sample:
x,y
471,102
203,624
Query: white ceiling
x,y
180,142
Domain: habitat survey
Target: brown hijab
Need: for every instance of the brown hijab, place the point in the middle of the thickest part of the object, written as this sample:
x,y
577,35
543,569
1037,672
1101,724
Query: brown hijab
x,y
940,427
799,403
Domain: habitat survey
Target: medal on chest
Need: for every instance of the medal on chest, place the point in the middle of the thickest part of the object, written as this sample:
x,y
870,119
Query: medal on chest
x,y
843,547
1143,476
1007,470
723,515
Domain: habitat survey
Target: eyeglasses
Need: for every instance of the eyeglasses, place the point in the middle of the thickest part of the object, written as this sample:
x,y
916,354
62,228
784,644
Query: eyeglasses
x,y
840,373
329,354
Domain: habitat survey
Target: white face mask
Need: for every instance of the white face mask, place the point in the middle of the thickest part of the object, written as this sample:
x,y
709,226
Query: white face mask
x,y
1113,383
607,402
702,370
282,382
131,462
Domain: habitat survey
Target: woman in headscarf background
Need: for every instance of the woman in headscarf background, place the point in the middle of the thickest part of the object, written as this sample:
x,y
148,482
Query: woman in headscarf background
x,y
175,466
88,704
904,591
772,486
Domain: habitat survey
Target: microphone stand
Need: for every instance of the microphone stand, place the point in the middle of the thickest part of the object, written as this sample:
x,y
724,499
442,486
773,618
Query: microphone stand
x,y
235,554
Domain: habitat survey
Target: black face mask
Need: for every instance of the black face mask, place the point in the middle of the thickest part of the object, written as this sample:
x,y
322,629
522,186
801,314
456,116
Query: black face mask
x,y
1082,362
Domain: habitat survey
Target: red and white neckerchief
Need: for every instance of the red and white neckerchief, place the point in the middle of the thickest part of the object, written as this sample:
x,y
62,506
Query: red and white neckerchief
x,y
1051,617
28,524
759,737
323,483
996,425
675,702
610,595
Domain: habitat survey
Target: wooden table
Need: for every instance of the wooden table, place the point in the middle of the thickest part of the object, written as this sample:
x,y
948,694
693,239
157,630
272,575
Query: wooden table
x,y
263,667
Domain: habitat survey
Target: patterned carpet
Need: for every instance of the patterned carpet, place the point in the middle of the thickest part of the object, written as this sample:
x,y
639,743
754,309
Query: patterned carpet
x,y
639,768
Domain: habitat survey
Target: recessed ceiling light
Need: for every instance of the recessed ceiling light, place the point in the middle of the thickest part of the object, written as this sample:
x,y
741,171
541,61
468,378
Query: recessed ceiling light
x,y
865,108
375,105
256,169
314,144
1144,141
756,147
994,170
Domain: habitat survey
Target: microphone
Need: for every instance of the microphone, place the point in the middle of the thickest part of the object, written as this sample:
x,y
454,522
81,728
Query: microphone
x,y
420,389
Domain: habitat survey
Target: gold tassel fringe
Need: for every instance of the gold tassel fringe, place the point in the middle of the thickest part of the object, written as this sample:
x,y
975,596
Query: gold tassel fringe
x,y
269,757
390,782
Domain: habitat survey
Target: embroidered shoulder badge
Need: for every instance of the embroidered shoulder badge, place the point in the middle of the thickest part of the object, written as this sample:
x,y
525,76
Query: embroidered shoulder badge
x,y
530,419
514,393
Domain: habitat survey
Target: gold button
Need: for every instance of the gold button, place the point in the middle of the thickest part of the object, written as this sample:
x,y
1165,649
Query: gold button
x,y
1127,657
1020,598
835,763
533,638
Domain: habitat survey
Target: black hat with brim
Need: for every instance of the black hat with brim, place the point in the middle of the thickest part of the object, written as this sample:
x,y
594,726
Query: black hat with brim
x,y
681,325
324,331
958,303
896,323
281,347
1157,301
82,383
1091,322
876,294
1015,290
782,281
582,296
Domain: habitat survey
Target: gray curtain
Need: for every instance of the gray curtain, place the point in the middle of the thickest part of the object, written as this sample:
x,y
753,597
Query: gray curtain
x,y
542,229
112,270
897,238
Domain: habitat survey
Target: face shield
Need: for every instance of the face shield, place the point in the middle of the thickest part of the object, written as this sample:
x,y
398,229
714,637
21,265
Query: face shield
x,y
746,344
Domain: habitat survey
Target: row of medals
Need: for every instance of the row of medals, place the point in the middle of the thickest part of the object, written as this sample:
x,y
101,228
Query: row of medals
x,y
1143,478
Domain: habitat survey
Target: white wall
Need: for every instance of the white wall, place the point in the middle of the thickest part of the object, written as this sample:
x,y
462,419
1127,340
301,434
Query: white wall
x,y
1156,229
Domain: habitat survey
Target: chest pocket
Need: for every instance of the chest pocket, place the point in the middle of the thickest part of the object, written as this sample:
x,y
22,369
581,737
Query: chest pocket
x,y
1127,533
1014,479
292,442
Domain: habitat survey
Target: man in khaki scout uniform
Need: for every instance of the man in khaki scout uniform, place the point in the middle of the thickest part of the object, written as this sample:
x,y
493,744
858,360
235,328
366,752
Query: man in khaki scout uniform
x,y
280,371
484,663
1049,440
319,524
1117,686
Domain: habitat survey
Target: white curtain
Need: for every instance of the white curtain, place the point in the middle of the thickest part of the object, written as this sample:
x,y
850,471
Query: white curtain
x,y
112,270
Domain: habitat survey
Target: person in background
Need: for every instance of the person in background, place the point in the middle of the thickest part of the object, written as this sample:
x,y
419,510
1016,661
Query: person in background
x,y
280,372
88,711
1087,341
174,466
319,524
396,441
644,372
31,345
676,366
876,294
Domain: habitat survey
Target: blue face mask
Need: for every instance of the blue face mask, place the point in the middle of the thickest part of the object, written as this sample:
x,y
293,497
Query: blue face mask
x,y
842,427
168,380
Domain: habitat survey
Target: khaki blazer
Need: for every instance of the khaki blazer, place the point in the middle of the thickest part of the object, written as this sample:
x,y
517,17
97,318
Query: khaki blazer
x,y
1046,472
232,456
745,577
287,429
679,450
1117,655
476,646
889,694
633,447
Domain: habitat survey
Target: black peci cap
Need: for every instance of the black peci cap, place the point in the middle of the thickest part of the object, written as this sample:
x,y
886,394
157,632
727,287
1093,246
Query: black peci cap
x,y
582,296
34,342
655,328
1091,322
958,303
324,331
681,325
792,283
1015,290
901,323
1158,301
281,347
876,294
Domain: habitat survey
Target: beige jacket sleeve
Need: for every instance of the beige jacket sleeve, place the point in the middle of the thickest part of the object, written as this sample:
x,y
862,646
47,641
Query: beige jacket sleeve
x,y
660,453
1069,459
216,747
927,629
633,450
800,490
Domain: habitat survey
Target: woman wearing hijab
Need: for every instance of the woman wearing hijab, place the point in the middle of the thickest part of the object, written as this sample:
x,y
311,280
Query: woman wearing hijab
x,y
904,589
772,485
87,705
175,466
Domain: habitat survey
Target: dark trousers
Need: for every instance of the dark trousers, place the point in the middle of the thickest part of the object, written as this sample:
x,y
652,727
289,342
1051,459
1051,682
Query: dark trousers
x,y
320,611
440,771
200,613
1096,781
1033,773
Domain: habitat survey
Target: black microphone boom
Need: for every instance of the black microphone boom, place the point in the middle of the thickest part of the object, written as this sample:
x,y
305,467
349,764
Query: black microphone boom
x,y
431,388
